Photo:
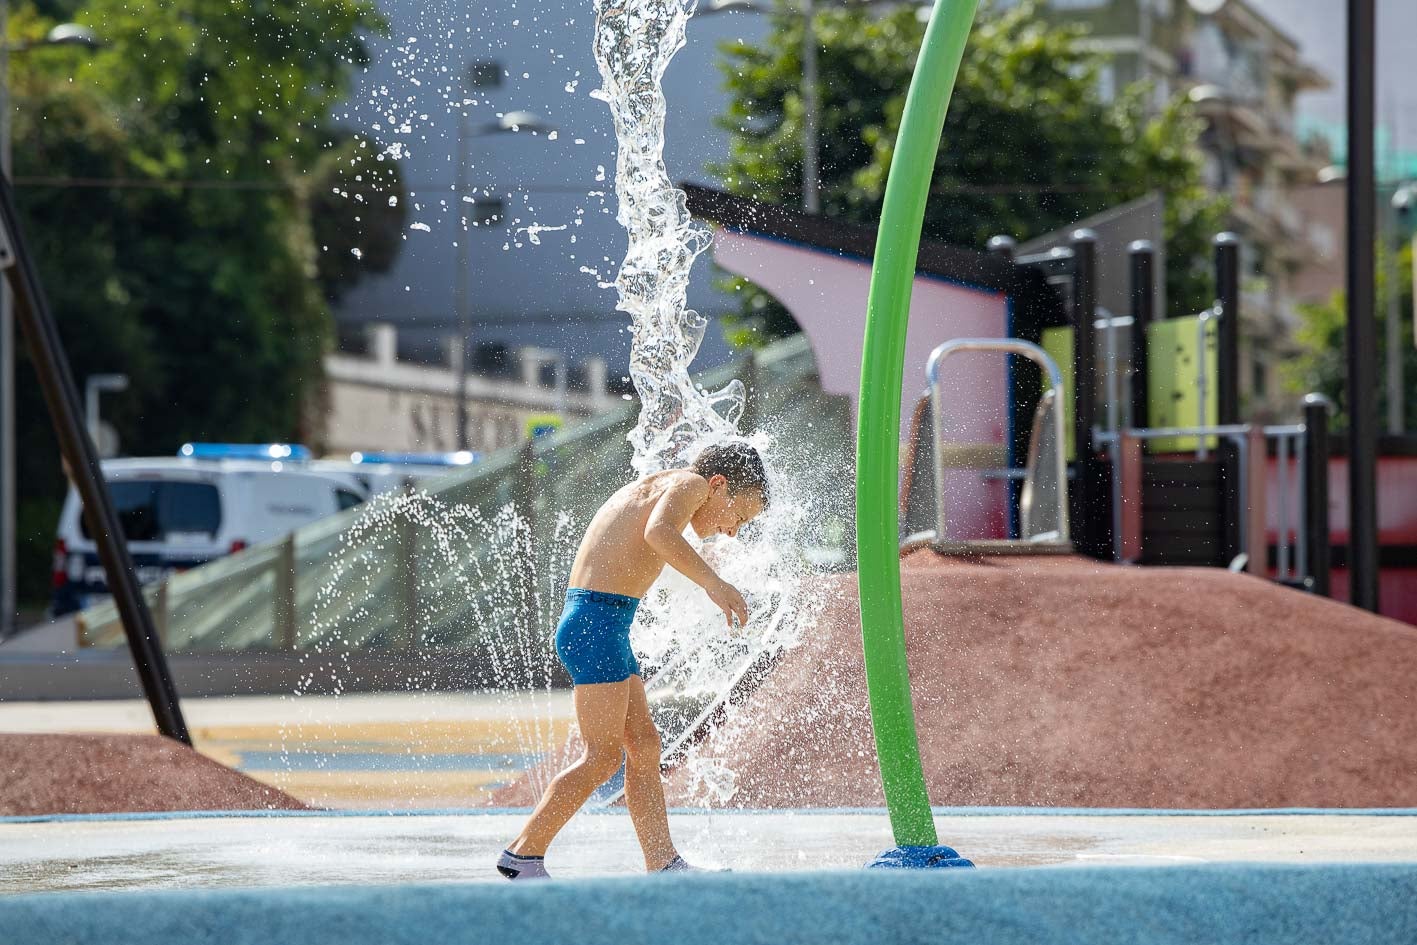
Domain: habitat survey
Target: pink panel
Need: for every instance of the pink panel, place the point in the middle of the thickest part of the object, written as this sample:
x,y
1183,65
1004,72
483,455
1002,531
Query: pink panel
x,y
827,294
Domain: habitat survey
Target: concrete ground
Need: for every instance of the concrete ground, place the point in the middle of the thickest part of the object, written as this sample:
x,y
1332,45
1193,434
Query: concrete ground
x,y
158,852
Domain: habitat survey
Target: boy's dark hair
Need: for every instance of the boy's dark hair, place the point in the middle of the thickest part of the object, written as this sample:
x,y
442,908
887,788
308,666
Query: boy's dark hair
x,y
738,462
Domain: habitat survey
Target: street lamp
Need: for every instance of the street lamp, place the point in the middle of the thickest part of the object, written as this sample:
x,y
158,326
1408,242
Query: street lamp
x,y
514,122
65,34
811,100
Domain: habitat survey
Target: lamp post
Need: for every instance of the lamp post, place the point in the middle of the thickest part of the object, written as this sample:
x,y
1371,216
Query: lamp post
x,y
514,122
811,95
65,34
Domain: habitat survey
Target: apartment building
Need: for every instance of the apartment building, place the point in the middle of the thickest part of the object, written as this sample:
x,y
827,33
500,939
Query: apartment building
x,y
1243,72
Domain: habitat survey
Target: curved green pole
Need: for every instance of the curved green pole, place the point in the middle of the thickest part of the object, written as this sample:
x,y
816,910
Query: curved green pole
x,y
878,426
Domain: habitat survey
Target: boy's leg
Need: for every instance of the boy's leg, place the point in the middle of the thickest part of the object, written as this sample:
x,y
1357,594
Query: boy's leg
x,y
600,715
644,792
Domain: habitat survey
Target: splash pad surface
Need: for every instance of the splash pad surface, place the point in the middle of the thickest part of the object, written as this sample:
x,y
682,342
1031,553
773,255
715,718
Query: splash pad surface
x,y
225,850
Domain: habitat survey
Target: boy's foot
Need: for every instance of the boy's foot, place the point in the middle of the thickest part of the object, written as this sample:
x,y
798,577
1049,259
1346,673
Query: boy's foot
x,y
522,867
679,865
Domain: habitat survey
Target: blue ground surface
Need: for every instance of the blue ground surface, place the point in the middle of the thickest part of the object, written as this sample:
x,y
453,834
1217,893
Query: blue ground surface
x,y
1351,904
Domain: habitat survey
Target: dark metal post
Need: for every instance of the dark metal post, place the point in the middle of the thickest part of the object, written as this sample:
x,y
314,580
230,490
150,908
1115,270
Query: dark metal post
x,y
1234,506
1227,293
1316,450
1025,384
1362,331
1143,284
1088,518
62,398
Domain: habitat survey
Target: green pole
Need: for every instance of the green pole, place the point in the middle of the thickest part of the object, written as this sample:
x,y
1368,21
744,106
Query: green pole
x,y
878,426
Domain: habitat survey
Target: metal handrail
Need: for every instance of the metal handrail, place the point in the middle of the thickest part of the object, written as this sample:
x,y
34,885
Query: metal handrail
x,y
1237,433
1026,349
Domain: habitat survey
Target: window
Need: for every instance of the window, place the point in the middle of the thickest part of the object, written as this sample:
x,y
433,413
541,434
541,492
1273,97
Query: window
x,y
156,510
1259,378
484,74
486,212
346,499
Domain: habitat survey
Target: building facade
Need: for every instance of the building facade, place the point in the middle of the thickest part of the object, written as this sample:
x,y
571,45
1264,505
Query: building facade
x,y
375,402
1243,73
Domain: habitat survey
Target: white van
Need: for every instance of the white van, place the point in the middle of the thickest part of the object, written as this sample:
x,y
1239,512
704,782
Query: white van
x,y
180,512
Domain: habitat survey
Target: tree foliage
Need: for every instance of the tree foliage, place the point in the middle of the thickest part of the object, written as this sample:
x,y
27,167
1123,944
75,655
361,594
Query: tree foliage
x,y
1323,365
166,185
1029,144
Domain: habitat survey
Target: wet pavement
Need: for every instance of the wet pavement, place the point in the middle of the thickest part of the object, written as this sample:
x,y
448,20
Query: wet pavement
x,y
333,849
383,751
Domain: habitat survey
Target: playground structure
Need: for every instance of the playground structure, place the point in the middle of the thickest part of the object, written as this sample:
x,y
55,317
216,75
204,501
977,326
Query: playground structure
x,y
1192,484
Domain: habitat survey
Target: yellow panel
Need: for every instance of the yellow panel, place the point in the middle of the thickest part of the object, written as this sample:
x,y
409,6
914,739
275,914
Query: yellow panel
x,y
1173,389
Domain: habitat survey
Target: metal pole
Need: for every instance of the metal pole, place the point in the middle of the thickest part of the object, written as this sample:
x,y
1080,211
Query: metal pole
x,y
1084,246
460,283
62,397
1227,293
1143,284
1227,390
561,384
811,112
1395,397
1361,330
1027,382
1316,450
9,604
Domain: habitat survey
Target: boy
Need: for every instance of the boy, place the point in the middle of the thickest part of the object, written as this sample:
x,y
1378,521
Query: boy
x,y
635,534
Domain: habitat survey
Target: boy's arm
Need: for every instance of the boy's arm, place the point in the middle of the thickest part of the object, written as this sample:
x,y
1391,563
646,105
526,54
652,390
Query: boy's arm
x,y
664,533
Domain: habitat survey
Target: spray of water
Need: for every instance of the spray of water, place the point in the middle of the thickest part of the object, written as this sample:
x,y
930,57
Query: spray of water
x,y
634,41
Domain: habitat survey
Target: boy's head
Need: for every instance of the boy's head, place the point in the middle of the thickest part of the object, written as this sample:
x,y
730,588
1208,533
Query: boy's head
x,y
738,488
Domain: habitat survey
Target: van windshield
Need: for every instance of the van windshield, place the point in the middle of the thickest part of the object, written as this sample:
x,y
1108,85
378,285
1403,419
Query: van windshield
x,y
154,510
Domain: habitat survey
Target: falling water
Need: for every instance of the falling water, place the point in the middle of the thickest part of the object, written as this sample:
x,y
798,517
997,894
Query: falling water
x,y
634,41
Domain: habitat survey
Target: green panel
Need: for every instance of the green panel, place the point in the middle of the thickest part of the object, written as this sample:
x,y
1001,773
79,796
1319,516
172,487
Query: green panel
x,y
1058,342
1173,389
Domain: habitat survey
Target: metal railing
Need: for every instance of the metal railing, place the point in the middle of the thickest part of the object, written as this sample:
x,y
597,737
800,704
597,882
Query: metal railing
x,y
1288,438
270,597
1037,473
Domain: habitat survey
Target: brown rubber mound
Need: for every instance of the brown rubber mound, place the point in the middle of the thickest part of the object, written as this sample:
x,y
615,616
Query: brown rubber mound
x,y
103,774
1065,682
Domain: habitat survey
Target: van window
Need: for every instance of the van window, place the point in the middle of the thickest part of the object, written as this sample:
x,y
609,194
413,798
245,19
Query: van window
x,y
347,499
153,510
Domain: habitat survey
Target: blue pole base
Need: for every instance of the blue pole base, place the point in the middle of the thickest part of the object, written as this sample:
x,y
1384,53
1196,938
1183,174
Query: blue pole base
x,y
919,858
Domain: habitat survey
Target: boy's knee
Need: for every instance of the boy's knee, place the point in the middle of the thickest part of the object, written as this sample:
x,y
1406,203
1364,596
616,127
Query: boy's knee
x,y
643,744
603,761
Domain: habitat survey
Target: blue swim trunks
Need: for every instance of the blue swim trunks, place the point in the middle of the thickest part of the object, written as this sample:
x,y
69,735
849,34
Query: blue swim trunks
x,y
593,637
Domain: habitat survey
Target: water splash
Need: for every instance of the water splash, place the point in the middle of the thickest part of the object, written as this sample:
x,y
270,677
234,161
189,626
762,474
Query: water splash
x,y
451,594
634,41
698,661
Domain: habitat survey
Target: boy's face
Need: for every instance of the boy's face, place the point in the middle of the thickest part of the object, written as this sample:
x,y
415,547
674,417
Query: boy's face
x,y
724,512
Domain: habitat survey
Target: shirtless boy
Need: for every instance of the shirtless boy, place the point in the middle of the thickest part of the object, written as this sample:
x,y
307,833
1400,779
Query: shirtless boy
x,y
630,540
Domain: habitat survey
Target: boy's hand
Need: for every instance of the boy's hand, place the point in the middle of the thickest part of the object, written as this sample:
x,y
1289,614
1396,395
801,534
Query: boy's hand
x,y
731,602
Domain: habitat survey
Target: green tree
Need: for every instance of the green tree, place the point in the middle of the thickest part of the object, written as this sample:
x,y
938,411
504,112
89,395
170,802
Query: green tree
x,y
166,187
1323,366
1029,146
